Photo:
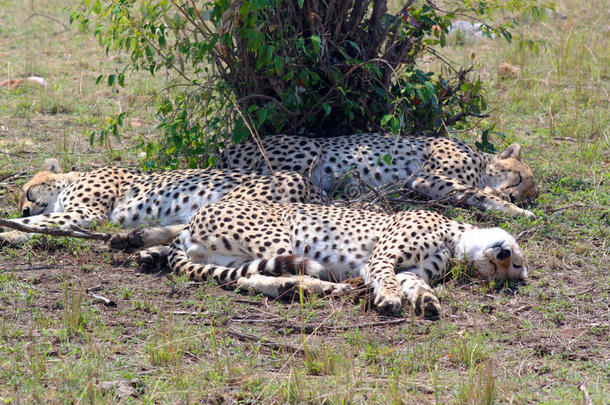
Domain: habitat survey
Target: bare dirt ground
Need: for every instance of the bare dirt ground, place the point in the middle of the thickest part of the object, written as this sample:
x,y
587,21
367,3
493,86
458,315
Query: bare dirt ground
x,y
163,339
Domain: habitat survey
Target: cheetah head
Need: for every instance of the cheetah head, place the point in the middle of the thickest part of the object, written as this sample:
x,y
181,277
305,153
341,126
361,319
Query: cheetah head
x,y
40,193
494,254
511,176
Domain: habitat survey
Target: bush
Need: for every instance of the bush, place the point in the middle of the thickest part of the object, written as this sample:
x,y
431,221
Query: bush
x,y
298,67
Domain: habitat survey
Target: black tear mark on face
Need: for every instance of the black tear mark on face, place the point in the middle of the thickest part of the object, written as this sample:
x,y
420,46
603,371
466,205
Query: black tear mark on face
x,y
519,181
28,197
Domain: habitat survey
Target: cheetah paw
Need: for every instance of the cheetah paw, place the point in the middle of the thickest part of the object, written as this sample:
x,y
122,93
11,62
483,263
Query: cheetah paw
x,y
13,238
337,288
308,287
150,260
390,303
427,304
515,211
127,241
529,214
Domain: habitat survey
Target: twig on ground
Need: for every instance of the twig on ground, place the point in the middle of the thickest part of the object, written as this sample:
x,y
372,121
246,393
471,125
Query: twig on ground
x,y
308,329
528,232
396,321
75,232
194,313
13,175
260,340
566,207
103,300
244,301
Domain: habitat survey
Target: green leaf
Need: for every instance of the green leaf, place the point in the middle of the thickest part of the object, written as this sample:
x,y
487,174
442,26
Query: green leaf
x,y
263,113
385,119
326,108
111,79
387,158
430,89
395,125
279,65
316,41
240,132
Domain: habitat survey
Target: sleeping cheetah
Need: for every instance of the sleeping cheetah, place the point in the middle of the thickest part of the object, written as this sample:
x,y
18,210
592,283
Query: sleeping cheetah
x,y
271,247
434,167
130,197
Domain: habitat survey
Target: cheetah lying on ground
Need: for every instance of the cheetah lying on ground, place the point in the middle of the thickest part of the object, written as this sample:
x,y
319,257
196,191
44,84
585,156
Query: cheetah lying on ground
x,y
434,167
130,197
272,247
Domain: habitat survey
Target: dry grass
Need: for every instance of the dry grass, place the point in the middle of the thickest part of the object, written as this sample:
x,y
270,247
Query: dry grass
x,y
169,340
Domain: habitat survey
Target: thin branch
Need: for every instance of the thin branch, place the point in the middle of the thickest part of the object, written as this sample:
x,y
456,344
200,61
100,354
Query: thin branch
x,y
75,232
48,17
263,342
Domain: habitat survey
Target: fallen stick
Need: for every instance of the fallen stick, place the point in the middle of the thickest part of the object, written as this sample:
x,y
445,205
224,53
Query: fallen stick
x,y
75,232
103,300
260,340
578,205
190,313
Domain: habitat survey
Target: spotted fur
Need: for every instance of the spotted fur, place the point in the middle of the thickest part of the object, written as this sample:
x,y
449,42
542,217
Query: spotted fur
x,y
130,197
398,255
434,167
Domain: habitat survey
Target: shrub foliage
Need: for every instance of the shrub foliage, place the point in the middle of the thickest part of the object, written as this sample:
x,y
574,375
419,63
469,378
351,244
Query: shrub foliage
x,y
320,67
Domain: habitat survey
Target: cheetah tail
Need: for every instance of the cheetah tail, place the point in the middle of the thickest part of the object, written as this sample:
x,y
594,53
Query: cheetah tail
x,y
180,263
276,266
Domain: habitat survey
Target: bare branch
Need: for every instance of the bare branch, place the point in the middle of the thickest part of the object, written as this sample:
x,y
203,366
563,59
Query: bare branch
x,y
75,232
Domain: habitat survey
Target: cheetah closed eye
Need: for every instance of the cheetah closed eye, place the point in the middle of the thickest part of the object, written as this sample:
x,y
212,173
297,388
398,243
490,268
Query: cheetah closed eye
x,y
269,247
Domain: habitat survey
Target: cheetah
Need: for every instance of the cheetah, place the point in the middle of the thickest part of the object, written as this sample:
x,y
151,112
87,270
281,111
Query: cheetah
x,y
130,198
271,247
435,167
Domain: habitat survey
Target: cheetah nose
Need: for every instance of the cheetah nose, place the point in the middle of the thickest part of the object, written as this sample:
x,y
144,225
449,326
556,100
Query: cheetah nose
x,y
26,212
503,254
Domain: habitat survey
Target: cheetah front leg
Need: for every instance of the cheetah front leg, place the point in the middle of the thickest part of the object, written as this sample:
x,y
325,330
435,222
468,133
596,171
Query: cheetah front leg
x,y
438,185
419,294
415,282
380,275
143,238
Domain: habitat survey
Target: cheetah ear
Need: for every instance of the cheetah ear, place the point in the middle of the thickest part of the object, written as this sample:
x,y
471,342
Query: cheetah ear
x,y
513,151
51,165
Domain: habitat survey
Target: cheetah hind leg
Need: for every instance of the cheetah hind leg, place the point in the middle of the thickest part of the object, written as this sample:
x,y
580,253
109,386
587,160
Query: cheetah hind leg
x,y
287,286
420,295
